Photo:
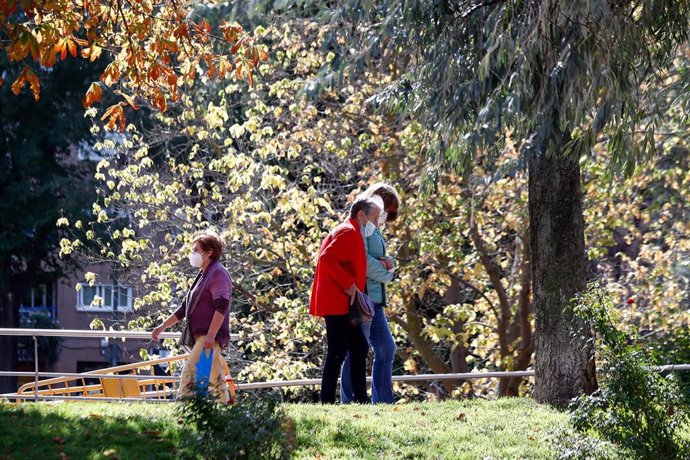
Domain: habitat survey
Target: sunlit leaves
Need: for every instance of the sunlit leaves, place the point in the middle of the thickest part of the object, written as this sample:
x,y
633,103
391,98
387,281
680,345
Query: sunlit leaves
x,y
93,94
155,47
27,76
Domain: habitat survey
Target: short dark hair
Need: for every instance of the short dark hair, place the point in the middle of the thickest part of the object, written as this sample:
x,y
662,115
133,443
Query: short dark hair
x,y
390,197
210,241
362,204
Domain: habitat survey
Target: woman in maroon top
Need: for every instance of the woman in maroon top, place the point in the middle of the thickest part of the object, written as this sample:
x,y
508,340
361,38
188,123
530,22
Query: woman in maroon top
x,y
207,309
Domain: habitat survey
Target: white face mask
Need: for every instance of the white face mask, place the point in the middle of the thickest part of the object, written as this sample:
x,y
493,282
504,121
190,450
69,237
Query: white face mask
x,y
382,217
369,229
195,259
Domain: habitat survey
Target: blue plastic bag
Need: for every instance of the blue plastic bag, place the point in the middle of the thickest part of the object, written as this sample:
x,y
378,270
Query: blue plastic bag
x,y
203,372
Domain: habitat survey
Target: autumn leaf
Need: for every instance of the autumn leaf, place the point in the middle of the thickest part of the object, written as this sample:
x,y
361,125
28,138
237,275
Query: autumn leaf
x,y
115,114
181,31
92,95
111,74
129,99
159,101
48,57
91,53
27,76
224,66
62,47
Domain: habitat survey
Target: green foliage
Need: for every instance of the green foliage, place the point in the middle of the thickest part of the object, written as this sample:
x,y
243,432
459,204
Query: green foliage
x,y
635,408
252,428
543,71
273,173
673,347
40,177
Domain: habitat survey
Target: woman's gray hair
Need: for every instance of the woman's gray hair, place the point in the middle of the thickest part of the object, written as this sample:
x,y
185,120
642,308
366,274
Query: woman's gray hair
x,y
364,204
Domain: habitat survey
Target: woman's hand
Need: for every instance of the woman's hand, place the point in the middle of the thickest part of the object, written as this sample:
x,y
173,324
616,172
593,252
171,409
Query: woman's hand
x,y
387,263
209,341
157,331
351,291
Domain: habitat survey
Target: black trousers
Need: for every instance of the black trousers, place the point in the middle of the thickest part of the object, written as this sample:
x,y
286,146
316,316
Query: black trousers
x,y
343,337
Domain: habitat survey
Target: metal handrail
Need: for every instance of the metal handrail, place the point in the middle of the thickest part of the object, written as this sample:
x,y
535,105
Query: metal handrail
x,y
244,386
90,334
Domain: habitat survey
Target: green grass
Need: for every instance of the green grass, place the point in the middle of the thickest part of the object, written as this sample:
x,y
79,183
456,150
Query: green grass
x,y
88,431
503,429
509,429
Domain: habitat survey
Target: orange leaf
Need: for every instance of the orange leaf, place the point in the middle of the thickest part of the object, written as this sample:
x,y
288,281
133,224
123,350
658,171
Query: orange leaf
x,y
35,84
130,101
92,53
48,57
224,66
114,114
205,25
181,31
72,48
92,95
18,84
2,82
111,74
27,76
159,101
61,47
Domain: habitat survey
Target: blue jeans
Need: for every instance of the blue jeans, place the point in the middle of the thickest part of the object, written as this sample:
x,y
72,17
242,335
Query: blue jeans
x,y
379,336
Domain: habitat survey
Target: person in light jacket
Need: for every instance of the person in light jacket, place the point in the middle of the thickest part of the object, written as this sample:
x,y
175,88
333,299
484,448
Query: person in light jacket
x,y
380,271
340,272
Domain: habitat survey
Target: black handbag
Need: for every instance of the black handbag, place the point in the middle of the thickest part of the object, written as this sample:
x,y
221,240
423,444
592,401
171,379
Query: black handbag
x,y
186,337
361,309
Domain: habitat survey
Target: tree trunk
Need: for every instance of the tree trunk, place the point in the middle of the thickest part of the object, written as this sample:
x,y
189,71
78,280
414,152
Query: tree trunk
x,y
564,358
8,344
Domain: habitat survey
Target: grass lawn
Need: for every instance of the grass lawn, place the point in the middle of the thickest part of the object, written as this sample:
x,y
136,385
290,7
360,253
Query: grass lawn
x,y
505,429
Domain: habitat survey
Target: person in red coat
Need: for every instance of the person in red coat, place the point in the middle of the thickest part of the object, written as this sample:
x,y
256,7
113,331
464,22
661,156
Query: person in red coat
x,y
341,271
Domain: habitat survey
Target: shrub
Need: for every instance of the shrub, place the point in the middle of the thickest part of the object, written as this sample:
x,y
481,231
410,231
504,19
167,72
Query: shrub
x,y
251,428
635,409
673,347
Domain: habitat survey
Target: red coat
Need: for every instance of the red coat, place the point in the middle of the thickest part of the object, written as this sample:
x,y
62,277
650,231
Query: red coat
x,y
342,261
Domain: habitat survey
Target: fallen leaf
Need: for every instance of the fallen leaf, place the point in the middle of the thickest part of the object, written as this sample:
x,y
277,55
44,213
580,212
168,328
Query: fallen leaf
x,y
460,417
58,440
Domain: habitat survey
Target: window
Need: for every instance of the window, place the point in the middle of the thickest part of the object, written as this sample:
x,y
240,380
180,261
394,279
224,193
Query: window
x,y
39,300
104,297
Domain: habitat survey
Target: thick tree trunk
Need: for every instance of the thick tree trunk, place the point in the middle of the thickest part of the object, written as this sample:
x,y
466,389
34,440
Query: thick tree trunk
x,y
564,359
8,344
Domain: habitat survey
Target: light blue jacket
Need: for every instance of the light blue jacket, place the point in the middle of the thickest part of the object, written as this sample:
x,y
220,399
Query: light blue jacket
x,y
377,275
